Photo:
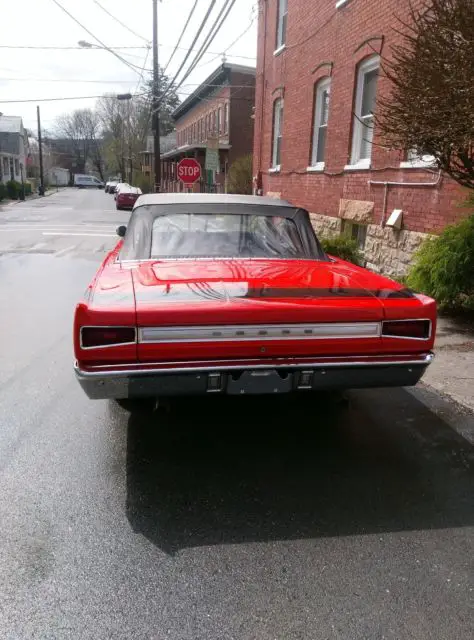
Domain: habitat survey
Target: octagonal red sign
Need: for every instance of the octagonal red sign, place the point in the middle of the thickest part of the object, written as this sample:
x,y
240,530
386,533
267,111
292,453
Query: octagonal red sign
x,y
189,170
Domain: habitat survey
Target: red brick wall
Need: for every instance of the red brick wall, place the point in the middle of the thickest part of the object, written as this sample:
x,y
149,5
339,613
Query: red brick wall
x,y
205,107
242,101
317,32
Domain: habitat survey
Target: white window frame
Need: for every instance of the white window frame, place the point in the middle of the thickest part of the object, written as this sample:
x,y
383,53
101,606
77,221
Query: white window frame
x,y
282,24
323,85
277,121
365,67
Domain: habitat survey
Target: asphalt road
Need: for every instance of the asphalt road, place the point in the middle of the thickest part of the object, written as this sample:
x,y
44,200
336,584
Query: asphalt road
x,y
270,519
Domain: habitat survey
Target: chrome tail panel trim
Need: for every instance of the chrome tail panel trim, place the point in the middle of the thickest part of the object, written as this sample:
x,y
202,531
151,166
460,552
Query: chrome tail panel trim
x,y
245,333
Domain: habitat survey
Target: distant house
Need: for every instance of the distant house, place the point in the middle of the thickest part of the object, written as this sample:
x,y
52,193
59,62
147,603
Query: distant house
x,y
13,148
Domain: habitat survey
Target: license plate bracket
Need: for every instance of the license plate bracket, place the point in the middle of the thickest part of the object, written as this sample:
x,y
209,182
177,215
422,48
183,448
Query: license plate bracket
x,y
259,382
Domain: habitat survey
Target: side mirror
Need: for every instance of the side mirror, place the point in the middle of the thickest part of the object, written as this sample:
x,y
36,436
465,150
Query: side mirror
x,y
121,231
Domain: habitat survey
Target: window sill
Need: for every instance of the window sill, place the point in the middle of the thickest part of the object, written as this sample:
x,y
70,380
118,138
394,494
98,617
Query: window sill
x,y
316,168
279,50
341,3
417,164
362,165
274,169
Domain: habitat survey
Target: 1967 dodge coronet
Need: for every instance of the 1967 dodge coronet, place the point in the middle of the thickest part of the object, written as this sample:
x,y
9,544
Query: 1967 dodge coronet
x,y
234,294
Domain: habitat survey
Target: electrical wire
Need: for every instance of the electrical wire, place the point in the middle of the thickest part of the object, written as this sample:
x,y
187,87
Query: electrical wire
x,y
137,35
164,46
108,97
234,42
66,81
201,27
58,48
216,27
193,8
68,13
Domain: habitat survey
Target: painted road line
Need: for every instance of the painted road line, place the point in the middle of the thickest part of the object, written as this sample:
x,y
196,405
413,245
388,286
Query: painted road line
x,y
62,252
95,235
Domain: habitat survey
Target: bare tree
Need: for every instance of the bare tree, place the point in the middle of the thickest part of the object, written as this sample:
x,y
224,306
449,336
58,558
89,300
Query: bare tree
x,y
82,129
430,109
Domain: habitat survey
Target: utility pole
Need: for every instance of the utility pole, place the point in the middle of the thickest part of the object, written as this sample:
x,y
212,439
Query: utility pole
x,y
155,108
40,144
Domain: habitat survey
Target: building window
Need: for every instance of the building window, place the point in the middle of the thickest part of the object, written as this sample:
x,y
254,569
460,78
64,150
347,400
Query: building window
x,y
5,166
219,120
281,23
226,117
357,232
276,135
207,127
17,167
366,93
320,123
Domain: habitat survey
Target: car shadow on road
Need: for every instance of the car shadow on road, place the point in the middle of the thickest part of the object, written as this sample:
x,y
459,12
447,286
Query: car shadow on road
x,y
227,470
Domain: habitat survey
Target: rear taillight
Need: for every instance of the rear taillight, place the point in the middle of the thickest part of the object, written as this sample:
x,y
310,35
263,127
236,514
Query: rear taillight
x,y
106,336
420,329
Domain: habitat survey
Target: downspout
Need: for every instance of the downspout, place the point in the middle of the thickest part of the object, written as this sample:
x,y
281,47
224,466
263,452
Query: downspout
x,y
386,186
259,182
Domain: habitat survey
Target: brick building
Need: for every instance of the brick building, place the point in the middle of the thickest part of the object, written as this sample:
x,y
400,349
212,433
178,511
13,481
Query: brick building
x,y
315,144
220,108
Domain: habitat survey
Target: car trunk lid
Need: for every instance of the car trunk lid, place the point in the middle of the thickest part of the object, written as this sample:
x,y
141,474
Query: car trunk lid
x,y
191,309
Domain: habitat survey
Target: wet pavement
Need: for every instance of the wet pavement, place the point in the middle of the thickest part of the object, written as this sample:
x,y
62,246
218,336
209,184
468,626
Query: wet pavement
x,y
271,519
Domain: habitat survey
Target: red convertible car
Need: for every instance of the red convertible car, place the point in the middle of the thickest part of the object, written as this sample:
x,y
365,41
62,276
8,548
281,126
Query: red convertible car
x,y
234,294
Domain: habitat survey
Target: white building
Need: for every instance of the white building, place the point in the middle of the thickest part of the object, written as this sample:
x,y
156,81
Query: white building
x,y
13,149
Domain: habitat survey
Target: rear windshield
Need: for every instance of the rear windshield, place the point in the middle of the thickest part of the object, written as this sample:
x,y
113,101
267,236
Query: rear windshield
x,y
190,235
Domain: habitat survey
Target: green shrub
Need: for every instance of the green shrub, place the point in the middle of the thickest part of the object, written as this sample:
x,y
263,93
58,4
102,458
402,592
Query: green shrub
x,y
444,267
13,189
342,247
3,191
240,176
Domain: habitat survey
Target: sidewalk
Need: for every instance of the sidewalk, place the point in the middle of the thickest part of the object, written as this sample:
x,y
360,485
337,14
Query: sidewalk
x,y
4,204
452,371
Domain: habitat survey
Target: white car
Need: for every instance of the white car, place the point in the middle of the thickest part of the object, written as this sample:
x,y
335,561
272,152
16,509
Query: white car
x,y
120,186
110,186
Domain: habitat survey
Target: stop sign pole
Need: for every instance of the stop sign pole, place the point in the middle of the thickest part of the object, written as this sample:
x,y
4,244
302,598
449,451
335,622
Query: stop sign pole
x,y
189,171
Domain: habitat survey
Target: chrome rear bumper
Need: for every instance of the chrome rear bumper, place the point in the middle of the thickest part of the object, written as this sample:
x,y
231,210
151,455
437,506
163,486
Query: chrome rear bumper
x,y
240,378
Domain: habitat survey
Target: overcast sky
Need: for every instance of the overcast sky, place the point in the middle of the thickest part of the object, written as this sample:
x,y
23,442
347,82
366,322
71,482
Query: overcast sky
x,y
31,74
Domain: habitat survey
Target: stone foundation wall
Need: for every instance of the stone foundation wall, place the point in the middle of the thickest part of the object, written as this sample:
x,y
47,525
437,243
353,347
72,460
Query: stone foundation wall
x,y
387,250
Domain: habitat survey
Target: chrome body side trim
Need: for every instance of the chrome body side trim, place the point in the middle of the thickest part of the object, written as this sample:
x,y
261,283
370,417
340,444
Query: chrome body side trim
x,y
247,333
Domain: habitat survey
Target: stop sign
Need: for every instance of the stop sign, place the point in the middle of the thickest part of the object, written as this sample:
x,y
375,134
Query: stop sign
x,y
189,170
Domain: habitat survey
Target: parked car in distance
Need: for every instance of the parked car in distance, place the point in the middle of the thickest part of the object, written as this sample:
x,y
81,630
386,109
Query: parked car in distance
x,y
110,185
85,181
231,294
127,197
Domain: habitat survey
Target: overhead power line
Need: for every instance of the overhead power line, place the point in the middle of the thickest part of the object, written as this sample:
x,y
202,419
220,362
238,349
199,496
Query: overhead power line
x,y
108,97
201,27
57,47
164,46
193,8
68,13
216,27
137,35
253,17
67,80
